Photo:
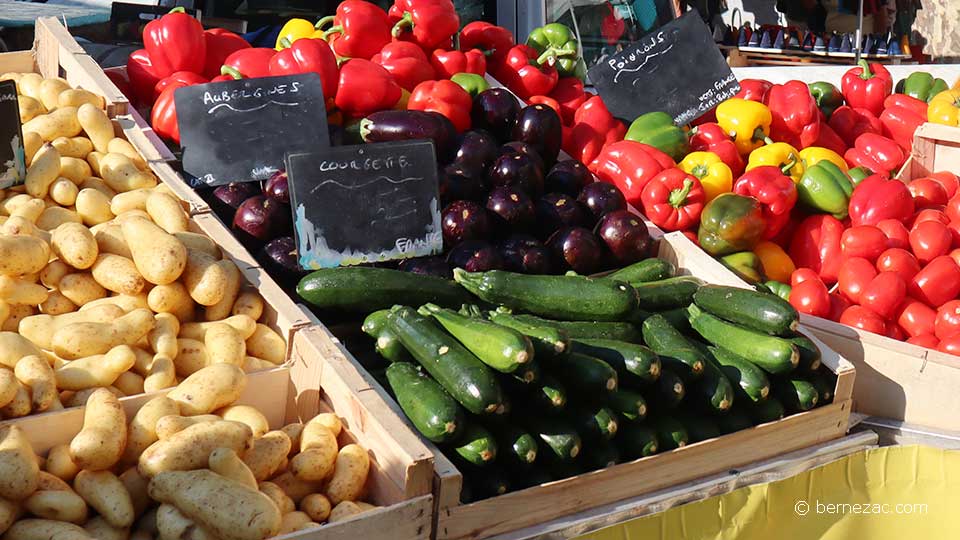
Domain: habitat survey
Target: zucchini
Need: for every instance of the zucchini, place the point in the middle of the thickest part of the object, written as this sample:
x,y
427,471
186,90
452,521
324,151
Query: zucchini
x,y
796,394
675,350
632,362
773,354
809,353
824,387
601,455
749,381
736,419
550,395
714,387
758,311
667,293
671,433
375,323
477,445
431,410
527,374
461,374
768,410
644,271
637,440
583,373
572,298
620,331
594,422
363,289
678,319
699,427
629,404
516,446
504,349
669,389
548,341
387,345
560,441
485,482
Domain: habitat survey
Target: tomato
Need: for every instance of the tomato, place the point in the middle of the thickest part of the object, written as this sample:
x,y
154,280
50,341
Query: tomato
x,y
953,208
927,192
929,240
897,234
838,304
955,255
929,214
900,261
895,332
915,317
950,344
948,180
864,241
855,275
954,228
884,294
929,341
811,297
948,319
802,274
864,319
937,283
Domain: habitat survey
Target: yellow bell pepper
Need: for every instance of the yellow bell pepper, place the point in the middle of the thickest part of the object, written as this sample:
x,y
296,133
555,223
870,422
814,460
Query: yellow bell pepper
x,y
776,264
295,29
780,155
945,108
815,154
714,175
748,122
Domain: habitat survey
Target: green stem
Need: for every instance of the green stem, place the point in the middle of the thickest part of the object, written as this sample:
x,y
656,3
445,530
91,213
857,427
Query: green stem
x,y
679,196
285,42
867,74
765,139
405,22
178,9
785,169
231,71
551,55
760,135
700,171
333,30
323,22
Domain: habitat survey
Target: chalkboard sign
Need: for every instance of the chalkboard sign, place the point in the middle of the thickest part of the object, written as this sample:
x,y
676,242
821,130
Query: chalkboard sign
x,y
12,158
367,203
677,69
240,131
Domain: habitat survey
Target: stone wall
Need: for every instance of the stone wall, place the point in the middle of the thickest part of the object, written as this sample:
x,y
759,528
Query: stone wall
x,y
938,25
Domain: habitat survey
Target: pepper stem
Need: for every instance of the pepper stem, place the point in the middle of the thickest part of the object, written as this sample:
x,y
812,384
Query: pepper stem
x,y
760,135
324,21
551,55
700,170
285,42
766,140
679,196
785,169
178,9
333,30
867,74
231,71
405,22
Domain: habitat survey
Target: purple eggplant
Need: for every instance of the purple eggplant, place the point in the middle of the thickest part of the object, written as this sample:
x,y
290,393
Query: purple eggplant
x,y
279,257
224,200
601,198
556,211
278,188
427,266
260,219
386,126
475,256
476,150
568,176
525,254
626,236
539,126
512,209
577,249
464,220
495,110
518,170
517,147
459,182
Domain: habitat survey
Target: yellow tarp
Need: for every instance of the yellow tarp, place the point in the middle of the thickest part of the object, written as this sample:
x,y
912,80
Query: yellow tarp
x,y
891,493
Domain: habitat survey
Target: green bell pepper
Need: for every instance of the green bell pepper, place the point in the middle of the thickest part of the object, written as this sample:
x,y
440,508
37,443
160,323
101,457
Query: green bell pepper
x,y
731,223
775,287
921,85
858,174
557,46
827,95
471,82
825,188
746,265
658,130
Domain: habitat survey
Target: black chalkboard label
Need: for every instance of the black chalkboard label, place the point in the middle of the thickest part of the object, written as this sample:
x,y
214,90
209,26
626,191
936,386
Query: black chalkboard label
x,y
677,69
13,167
367,203
240,131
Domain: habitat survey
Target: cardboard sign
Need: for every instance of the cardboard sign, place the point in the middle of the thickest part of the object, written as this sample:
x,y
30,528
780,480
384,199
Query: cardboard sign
x,y
240,131
677,69
367,203
13,168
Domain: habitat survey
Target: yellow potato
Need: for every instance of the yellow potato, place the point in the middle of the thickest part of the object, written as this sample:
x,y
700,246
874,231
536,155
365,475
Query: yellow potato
x,y
122,146
30,108
141,432
19,406
317,506
75,97
75,245
35,373
64,192
267,344
54,216
136,486
81,288
241,323
318,453
13,347
120,173
19,473
59,123
190,448
349,474
117,274
173,299
93,159
30,210
130,383
267,454
40,328
19,291
221,309
162,374
8,386
159,256
49,482
293,521
344,511
43,170
31,145
29,84
205,278
224,345
227,464
106,494
110,239
58,505
50,90
97,126
330,421
279,498
79,398
191,357
248,415
93,207
209,389
163,336
165,210
76,147
173,525
100,443
57,304
100,528
96,183
17,312
294,487
125,302
199,242
95,371
60,464
174,423
82,339
45,529
4,312
249,304
130,200
252,364
74,169
293,431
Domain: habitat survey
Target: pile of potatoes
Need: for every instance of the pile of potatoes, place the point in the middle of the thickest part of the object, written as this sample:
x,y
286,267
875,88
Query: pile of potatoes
x,y
191,465
102,285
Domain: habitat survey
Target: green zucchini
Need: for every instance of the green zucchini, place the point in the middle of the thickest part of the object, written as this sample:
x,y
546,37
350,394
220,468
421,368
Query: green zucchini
x,y
768,410
758,311
573,298
477,445
387,345
671,433
594,422
550,395
435,414
601,455
620,331
561,442
678,319
675,350
773,354
629,404
809,353
548,341
669,390
644,271
527,374
362,289
504,349
460,373
667,293
516,446
584,373
796,394
735,419
631,361
824,387
485,482
637,440
699,427
749,381
714,388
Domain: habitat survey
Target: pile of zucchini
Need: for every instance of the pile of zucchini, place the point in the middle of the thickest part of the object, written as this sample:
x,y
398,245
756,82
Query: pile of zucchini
x,y
544,377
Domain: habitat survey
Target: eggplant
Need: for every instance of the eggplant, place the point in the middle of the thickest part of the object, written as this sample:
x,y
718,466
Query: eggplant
x,y
476,150
260,219
517,147
626,236
464,220
517,170
475,256
601,198
577,249
277,187
556,211
511,209
458,182
427,266
279,258
525,254
386,126
539,126
495,110
568,176
224,200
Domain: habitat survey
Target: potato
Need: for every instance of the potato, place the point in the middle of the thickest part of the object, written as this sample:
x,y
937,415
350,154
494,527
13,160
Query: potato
x,y
95,371
49,482
119,172
75,97
8,386
100,528
59,123
36,374
162,374
293,521
77,147
106,494
110,240
173,299
199,242
190,449
19,472
293,431
226,508
29,210
31,145
93,159
130,200
174,423
165,210
173,525
94,182
82,339
79,398
29,85
317,506
40,328
118,145
318,453
117,274
249,304
43,170
330,421
224,345
81,288
159,256
241,323
221,309
100,443
205,278
9,512
141,432
19,406
97,126
227,464
93,207
247,415
267,344
30,108
141,535
209,389
349,474
18,291
60,464
267,454
19,225
129,382
75,245
344,511
45,529
279,498
163,336
4,312
133,213
191,357
74,169
22,255
57,505
64,192
57,304
50,90
13,347
136,486
54,216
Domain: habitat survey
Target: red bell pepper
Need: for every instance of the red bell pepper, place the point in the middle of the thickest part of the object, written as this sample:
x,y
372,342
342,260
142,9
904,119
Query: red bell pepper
x,y
796,117
937,283
850,123
143,77
901,117
182,78
365,88
445,97
220,44
877,198
120,80
428,23
308,55
829,139
867,86
673,200
877,153
175,43
612,26
816,245
545,100
495,41
629,165
521,74
249,63
710,137
449,63
570,96
163,117
360,29
407,63
775,191
754,90
593,128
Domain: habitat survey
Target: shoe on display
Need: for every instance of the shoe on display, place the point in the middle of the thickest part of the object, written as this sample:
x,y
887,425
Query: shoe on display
x,y
819,45
755,39
766,42
808,41
893,48
869,45
881,46
834,45
779,41
846,44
